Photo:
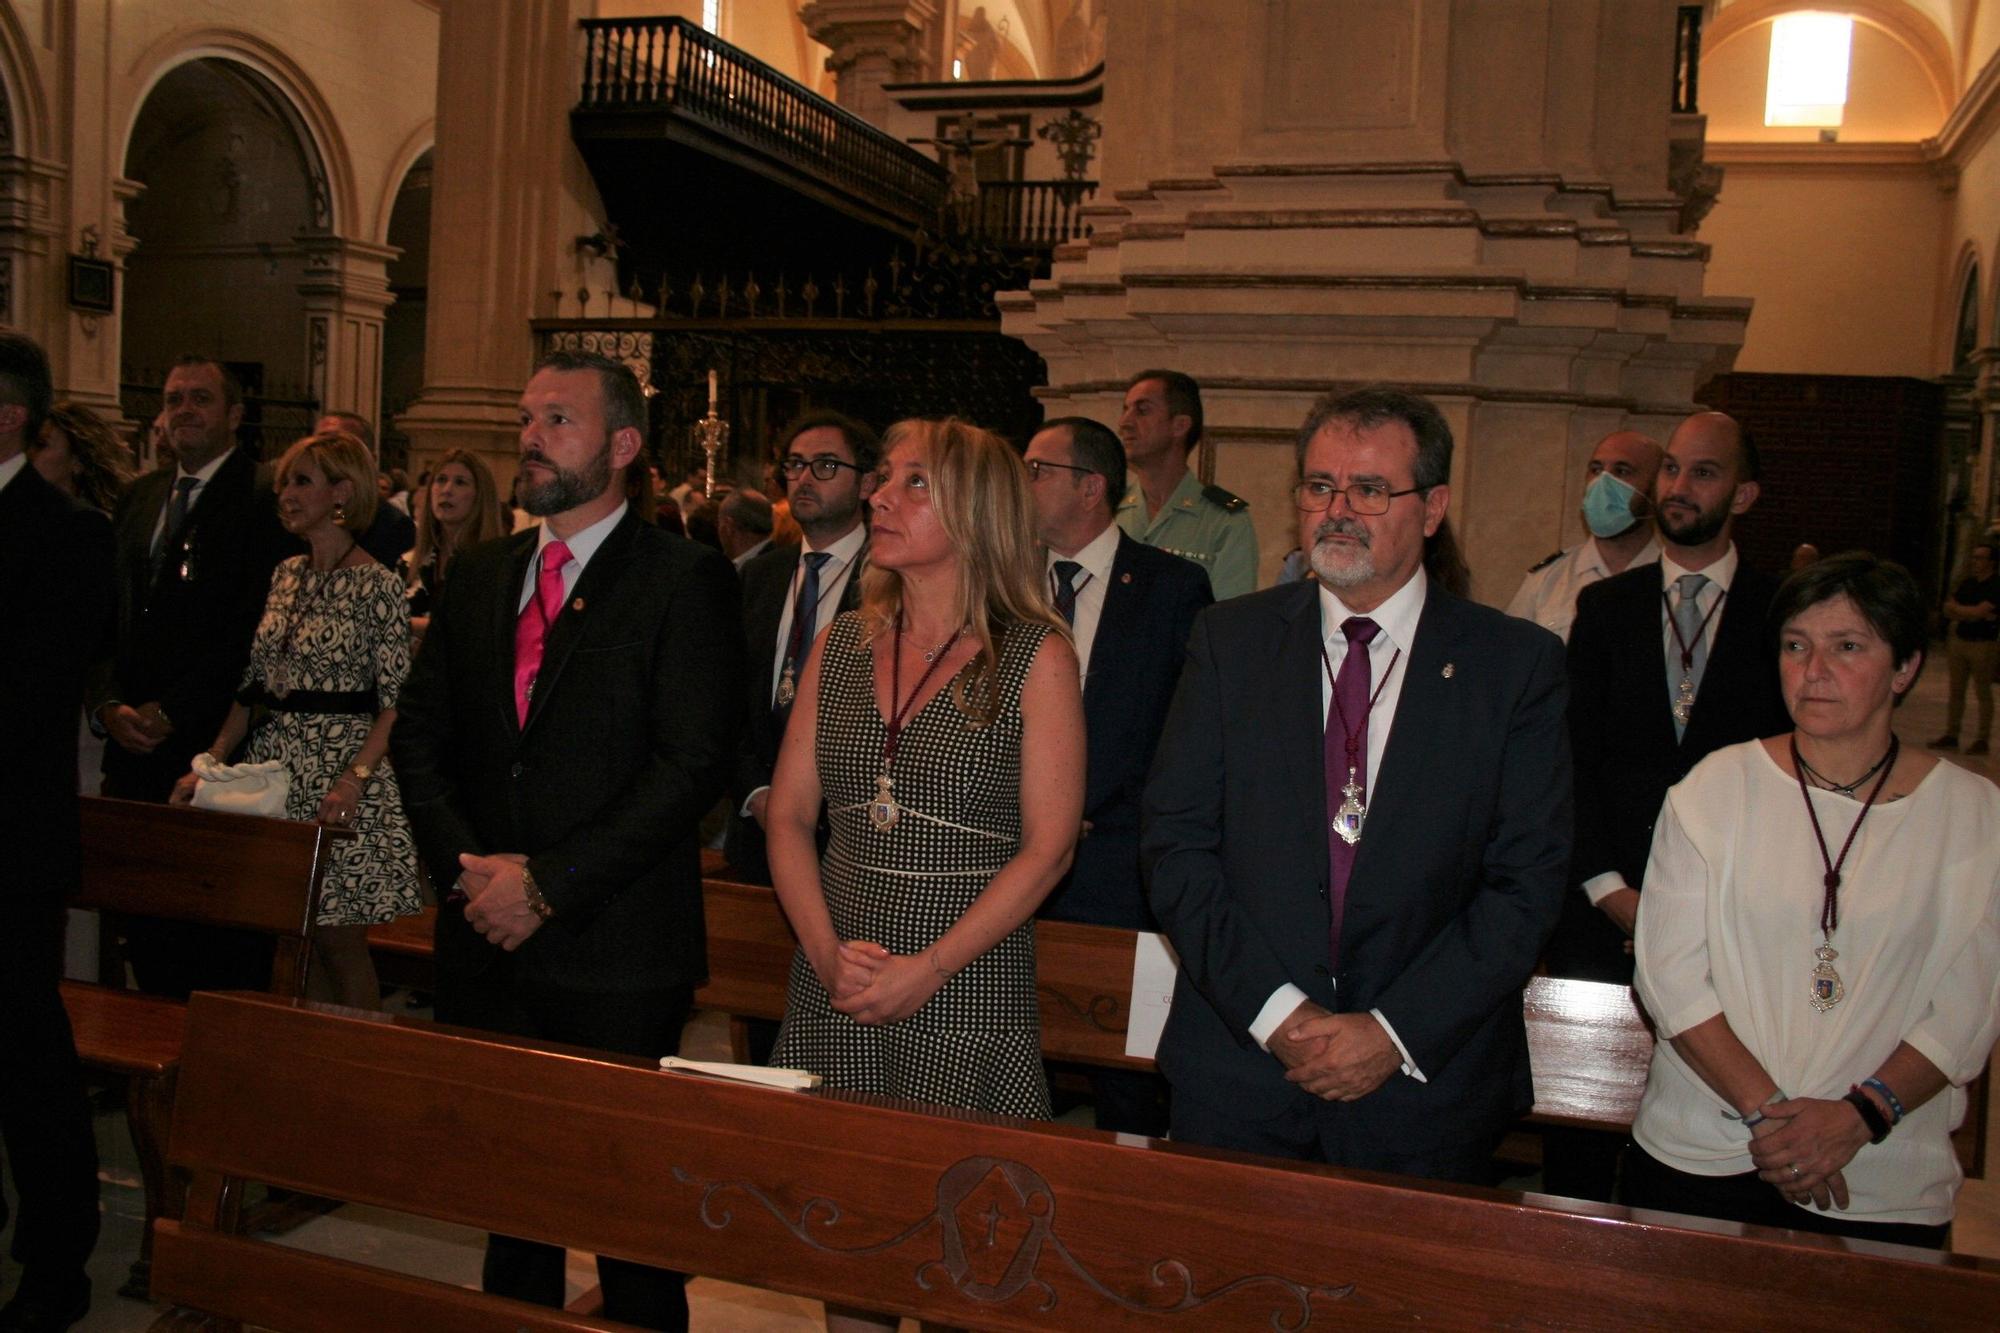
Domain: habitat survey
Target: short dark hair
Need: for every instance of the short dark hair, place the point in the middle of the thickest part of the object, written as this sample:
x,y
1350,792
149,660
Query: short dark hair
x,y
863,443
1367,408
25,381
1094,446
1885,594
232,388
624,401
748,510
1183,397
358,426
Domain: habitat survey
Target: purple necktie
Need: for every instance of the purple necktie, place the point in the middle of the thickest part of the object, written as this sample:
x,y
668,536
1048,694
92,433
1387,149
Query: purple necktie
x,y
1350,705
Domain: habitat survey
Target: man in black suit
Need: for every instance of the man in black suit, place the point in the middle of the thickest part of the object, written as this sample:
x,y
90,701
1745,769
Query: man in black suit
x,y
56,604
790,595
1356,831
1668,662
1130,607
195,548
568,722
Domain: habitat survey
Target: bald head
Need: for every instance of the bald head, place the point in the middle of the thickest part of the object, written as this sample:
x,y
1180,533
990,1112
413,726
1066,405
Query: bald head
x,y
1716,435
1707,480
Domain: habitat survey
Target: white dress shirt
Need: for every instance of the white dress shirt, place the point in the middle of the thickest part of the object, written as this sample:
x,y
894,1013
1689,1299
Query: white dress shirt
x,y
1090,584
1388,662
12,468
1547,595
202,477
582,546
833,577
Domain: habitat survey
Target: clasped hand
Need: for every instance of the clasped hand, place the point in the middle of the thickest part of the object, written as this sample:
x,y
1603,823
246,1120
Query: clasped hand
x,y
871,985
497,903
1802,1147
1337,1057
137,730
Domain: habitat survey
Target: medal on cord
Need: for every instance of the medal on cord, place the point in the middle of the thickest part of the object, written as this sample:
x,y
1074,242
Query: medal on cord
x,y
1827,987
1684,693
1353,812
883,811
788,686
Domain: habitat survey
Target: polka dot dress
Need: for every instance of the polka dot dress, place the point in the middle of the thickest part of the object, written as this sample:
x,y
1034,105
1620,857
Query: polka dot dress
x,y
977,1042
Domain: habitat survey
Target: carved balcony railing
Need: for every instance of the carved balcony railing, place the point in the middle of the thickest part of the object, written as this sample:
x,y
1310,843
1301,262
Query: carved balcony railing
x,y
669,65
1687,59
1031,215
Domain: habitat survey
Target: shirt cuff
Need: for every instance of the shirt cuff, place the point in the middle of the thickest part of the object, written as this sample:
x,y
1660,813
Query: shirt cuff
x,y
1599,887
1275,1011
745,811
1409,1065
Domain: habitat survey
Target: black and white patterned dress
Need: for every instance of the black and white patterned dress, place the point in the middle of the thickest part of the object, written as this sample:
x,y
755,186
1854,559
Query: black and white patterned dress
x,y
345,631
977,1042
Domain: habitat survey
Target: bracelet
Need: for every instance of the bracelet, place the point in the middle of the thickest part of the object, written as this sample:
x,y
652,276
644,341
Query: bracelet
x,y
533,892
1871,1115
349,777
1895,1103
1756,1117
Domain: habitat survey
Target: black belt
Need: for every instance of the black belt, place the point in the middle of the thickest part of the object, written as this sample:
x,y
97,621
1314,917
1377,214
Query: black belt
x,y
312,701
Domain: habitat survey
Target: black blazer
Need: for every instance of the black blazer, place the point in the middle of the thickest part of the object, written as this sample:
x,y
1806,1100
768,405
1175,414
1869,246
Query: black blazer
x,y
1621,721
767,585
184,637
1456,885
56,604
1150,604
635,714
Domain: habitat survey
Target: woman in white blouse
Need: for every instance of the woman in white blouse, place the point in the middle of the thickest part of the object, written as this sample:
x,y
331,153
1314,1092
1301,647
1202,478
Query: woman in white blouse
x,y
1819,943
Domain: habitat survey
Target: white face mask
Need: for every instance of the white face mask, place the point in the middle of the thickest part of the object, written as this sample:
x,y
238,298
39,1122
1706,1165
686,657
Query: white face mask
x,y
1607,506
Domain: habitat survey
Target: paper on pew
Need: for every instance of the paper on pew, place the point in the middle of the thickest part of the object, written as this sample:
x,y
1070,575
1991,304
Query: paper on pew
x,y
795,1079
1154,968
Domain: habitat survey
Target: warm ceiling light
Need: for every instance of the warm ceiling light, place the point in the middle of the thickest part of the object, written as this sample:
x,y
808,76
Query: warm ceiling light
x,y
1808,80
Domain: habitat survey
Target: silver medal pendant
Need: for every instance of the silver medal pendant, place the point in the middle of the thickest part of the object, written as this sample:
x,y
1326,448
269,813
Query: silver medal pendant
x,y
281,681
787,691
1684,700
1827,988
883,812
1348,819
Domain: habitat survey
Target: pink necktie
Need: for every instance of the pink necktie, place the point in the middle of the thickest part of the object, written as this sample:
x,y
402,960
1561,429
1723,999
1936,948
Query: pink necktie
x,y
531,631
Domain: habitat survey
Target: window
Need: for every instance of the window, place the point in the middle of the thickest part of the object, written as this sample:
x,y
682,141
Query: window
x,y
711,16
1808,79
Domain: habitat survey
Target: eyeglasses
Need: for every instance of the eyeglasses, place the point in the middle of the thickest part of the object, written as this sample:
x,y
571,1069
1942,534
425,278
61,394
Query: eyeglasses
x,y
825,467
1363,497
1035,466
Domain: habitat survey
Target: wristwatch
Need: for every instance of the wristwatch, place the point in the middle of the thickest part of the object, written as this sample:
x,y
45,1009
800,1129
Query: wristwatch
x,y
361,772
533,892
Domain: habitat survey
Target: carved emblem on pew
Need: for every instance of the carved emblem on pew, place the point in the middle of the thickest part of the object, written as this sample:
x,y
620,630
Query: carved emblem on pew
x,y
1018,1201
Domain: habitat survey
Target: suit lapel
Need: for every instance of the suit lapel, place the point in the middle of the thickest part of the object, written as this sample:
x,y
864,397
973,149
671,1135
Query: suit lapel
x,y
506,611
1420,738
598,577
1738,632
1302,714
1124,595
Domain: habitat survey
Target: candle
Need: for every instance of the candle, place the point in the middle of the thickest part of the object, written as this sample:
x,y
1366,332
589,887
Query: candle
x,y
711,391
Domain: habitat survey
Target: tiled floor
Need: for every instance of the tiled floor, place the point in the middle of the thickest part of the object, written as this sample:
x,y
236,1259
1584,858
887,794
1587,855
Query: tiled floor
x,y
452,1253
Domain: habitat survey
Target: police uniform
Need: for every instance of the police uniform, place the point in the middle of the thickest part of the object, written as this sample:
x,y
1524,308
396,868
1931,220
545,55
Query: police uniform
x,y
1548,593
1205,524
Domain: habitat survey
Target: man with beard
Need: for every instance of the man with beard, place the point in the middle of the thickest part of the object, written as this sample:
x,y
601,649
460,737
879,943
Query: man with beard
x,y
1618,511
790,595
567,724
1356,831
1668,662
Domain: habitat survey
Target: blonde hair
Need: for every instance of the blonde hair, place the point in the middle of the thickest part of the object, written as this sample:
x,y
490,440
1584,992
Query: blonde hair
x,y
483,524
339,457
979,491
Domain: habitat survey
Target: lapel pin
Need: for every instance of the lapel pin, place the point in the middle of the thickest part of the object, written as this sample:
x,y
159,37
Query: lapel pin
x,y
1448,669
577,605
1126,577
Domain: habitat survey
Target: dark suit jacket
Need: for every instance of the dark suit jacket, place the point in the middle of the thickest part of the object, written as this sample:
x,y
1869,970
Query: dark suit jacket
x,y
390,535
626,746
56,605
1456,884
183,638
1150,604
1621,728
767,584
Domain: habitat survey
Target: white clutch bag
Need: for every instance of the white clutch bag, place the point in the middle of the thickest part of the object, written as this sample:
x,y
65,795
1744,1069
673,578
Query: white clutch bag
x,y
241,789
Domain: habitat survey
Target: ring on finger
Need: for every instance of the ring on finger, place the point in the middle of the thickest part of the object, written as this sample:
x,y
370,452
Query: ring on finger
x,y
1796,1173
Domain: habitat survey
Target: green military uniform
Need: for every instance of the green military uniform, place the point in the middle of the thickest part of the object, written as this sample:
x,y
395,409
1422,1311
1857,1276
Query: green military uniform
x,y
1205,524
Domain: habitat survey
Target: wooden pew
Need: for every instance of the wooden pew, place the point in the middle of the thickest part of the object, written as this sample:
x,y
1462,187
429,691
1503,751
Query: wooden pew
x,y
975,1221
184,865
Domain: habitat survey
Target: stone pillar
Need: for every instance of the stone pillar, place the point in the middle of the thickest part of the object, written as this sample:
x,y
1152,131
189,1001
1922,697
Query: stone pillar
x,y
1464,199
507,79
874,42
346,291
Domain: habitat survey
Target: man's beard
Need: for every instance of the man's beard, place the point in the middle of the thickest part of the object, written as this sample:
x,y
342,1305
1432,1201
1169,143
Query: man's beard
x,y
832,513
1342,567
567,488
1703,528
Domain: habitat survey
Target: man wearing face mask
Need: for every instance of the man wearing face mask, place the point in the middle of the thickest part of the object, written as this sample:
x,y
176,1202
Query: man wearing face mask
x,y
1617,509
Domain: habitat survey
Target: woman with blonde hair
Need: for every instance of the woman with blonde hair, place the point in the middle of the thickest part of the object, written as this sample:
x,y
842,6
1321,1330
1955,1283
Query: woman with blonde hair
x,y
459,509
942,725
319,695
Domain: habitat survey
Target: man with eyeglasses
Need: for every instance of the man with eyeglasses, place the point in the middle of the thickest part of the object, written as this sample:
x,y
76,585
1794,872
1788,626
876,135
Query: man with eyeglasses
x,y
1166,504
1130,608
791,594
1357,829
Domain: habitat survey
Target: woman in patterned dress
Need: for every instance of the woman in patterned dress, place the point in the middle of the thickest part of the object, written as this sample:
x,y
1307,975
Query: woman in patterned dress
x,y
328,659
942,725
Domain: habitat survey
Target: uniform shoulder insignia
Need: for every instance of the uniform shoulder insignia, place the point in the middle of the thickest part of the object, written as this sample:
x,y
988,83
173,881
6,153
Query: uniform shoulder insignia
x,y
1544,563
1228,500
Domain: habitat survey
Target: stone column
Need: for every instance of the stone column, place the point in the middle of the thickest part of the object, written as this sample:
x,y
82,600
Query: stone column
x,y
507,79
874,42
1464,199
346,291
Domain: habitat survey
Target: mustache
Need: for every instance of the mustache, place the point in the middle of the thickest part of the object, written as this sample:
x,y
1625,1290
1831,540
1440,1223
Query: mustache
x,y
537,456
1341,527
